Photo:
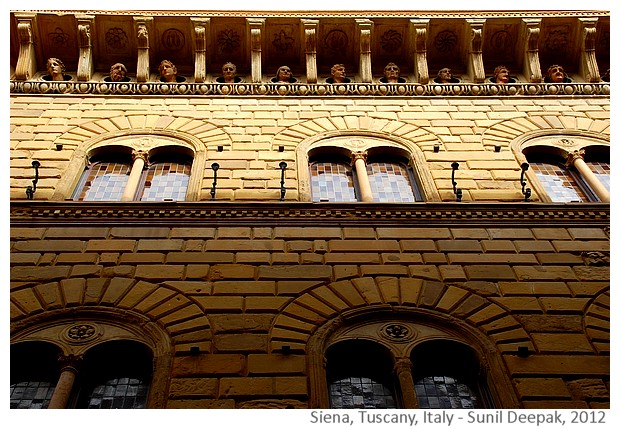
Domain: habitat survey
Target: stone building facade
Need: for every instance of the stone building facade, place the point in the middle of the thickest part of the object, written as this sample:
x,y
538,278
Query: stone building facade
x,y
260,244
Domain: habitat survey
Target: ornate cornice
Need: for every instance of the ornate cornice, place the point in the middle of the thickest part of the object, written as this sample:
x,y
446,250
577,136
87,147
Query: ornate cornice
x,y
346,14
309,90
41,214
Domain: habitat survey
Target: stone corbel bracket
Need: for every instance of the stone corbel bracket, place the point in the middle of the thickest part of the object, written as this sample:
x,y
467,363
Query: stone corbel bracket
x,y
365,31
588,67
201,29
26,61
86,23
256,26
531,62
475,66
419,31
310,27
144,26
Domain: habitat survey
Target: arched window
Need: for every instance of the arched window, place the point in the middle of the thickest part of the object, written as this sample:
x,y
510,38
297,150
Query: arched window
x,y
119,174
577,176
370,176
441,381
360,383
34,373
114,374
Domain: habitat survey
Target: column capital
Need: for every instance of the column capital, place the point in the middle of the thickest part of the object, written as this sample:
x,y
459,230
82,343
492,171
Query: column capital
x,y
574,156
140,154
403,364
363,155
70,362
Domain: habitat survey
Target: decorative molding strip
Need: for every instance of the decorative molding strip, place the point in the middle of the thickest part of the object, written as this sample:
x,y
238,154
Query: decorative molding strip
x,y
33,213
304,89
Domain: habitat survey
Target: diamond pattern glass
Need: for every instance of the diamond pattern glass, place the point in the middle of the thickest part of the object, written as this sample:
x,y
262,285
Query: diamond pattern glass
x,y
360,392
165,181
331,181
389,182
444,392
558,182
105,181
126,393
602,171
31,394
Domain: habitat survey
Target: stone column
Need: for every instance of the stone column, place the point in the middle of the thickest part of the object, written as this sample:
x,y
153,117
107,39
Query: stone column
x,y
26,62
575,159
531,63
402,368
85,62
139,161
475,66
143,24
365,69
310,31
68,371
419,27
359,162
201,29
256,25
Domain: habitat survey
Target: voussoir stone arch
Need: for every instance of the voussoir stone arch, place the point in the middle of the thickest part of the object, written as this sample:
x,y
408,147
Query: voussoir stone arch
x,y
505,133
301,318
292,136
165,304
196,135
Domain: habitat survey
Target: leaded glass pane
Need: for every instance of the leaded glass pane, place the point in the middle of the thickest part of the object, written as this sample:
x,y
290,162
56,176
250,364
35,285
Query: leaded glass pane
x,y
331,181
602,171
444,392
390,182
166,181
360,392
559,184
31,394
119,393
105,181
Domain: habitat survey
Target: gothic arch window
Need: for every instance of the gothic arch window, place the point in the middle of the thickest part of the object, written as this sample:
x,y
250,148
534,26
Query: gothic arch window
x,y
379,174
118,173
579,174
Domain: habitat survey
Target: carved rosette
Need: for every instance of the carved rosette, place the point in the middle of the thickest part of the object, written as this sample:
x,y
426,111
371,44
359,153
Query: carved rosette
x,y
397,332
81,332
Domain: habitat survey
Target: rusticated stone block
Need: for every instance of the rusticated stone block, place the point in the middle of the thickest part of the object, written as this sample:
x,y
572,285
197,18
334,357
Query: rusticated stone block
x,y
192,387
592,273
459,246
544,273
41,273
116,245
276,364
160,272
586,389
364,246
246,342
273,404
55,246
140,232
560,365
550,323
489,272
541,387
241,322
201,404
208,365
562,342
294,272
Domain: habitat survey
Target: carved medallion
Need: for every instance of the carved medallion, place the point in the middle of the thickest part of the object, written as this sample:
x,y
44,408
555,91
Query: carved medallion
x,y
556,42
391,40
58,38
445,41
397,332
566,142
173,39
501,42
116,38
81,332
228,41
336,41
356,144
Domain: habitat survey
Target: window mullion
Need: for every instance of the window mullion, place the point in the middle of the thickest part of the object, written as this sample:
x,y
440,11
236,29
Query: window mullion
x,y
576,159
402,368
139,161
63,388
359,163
